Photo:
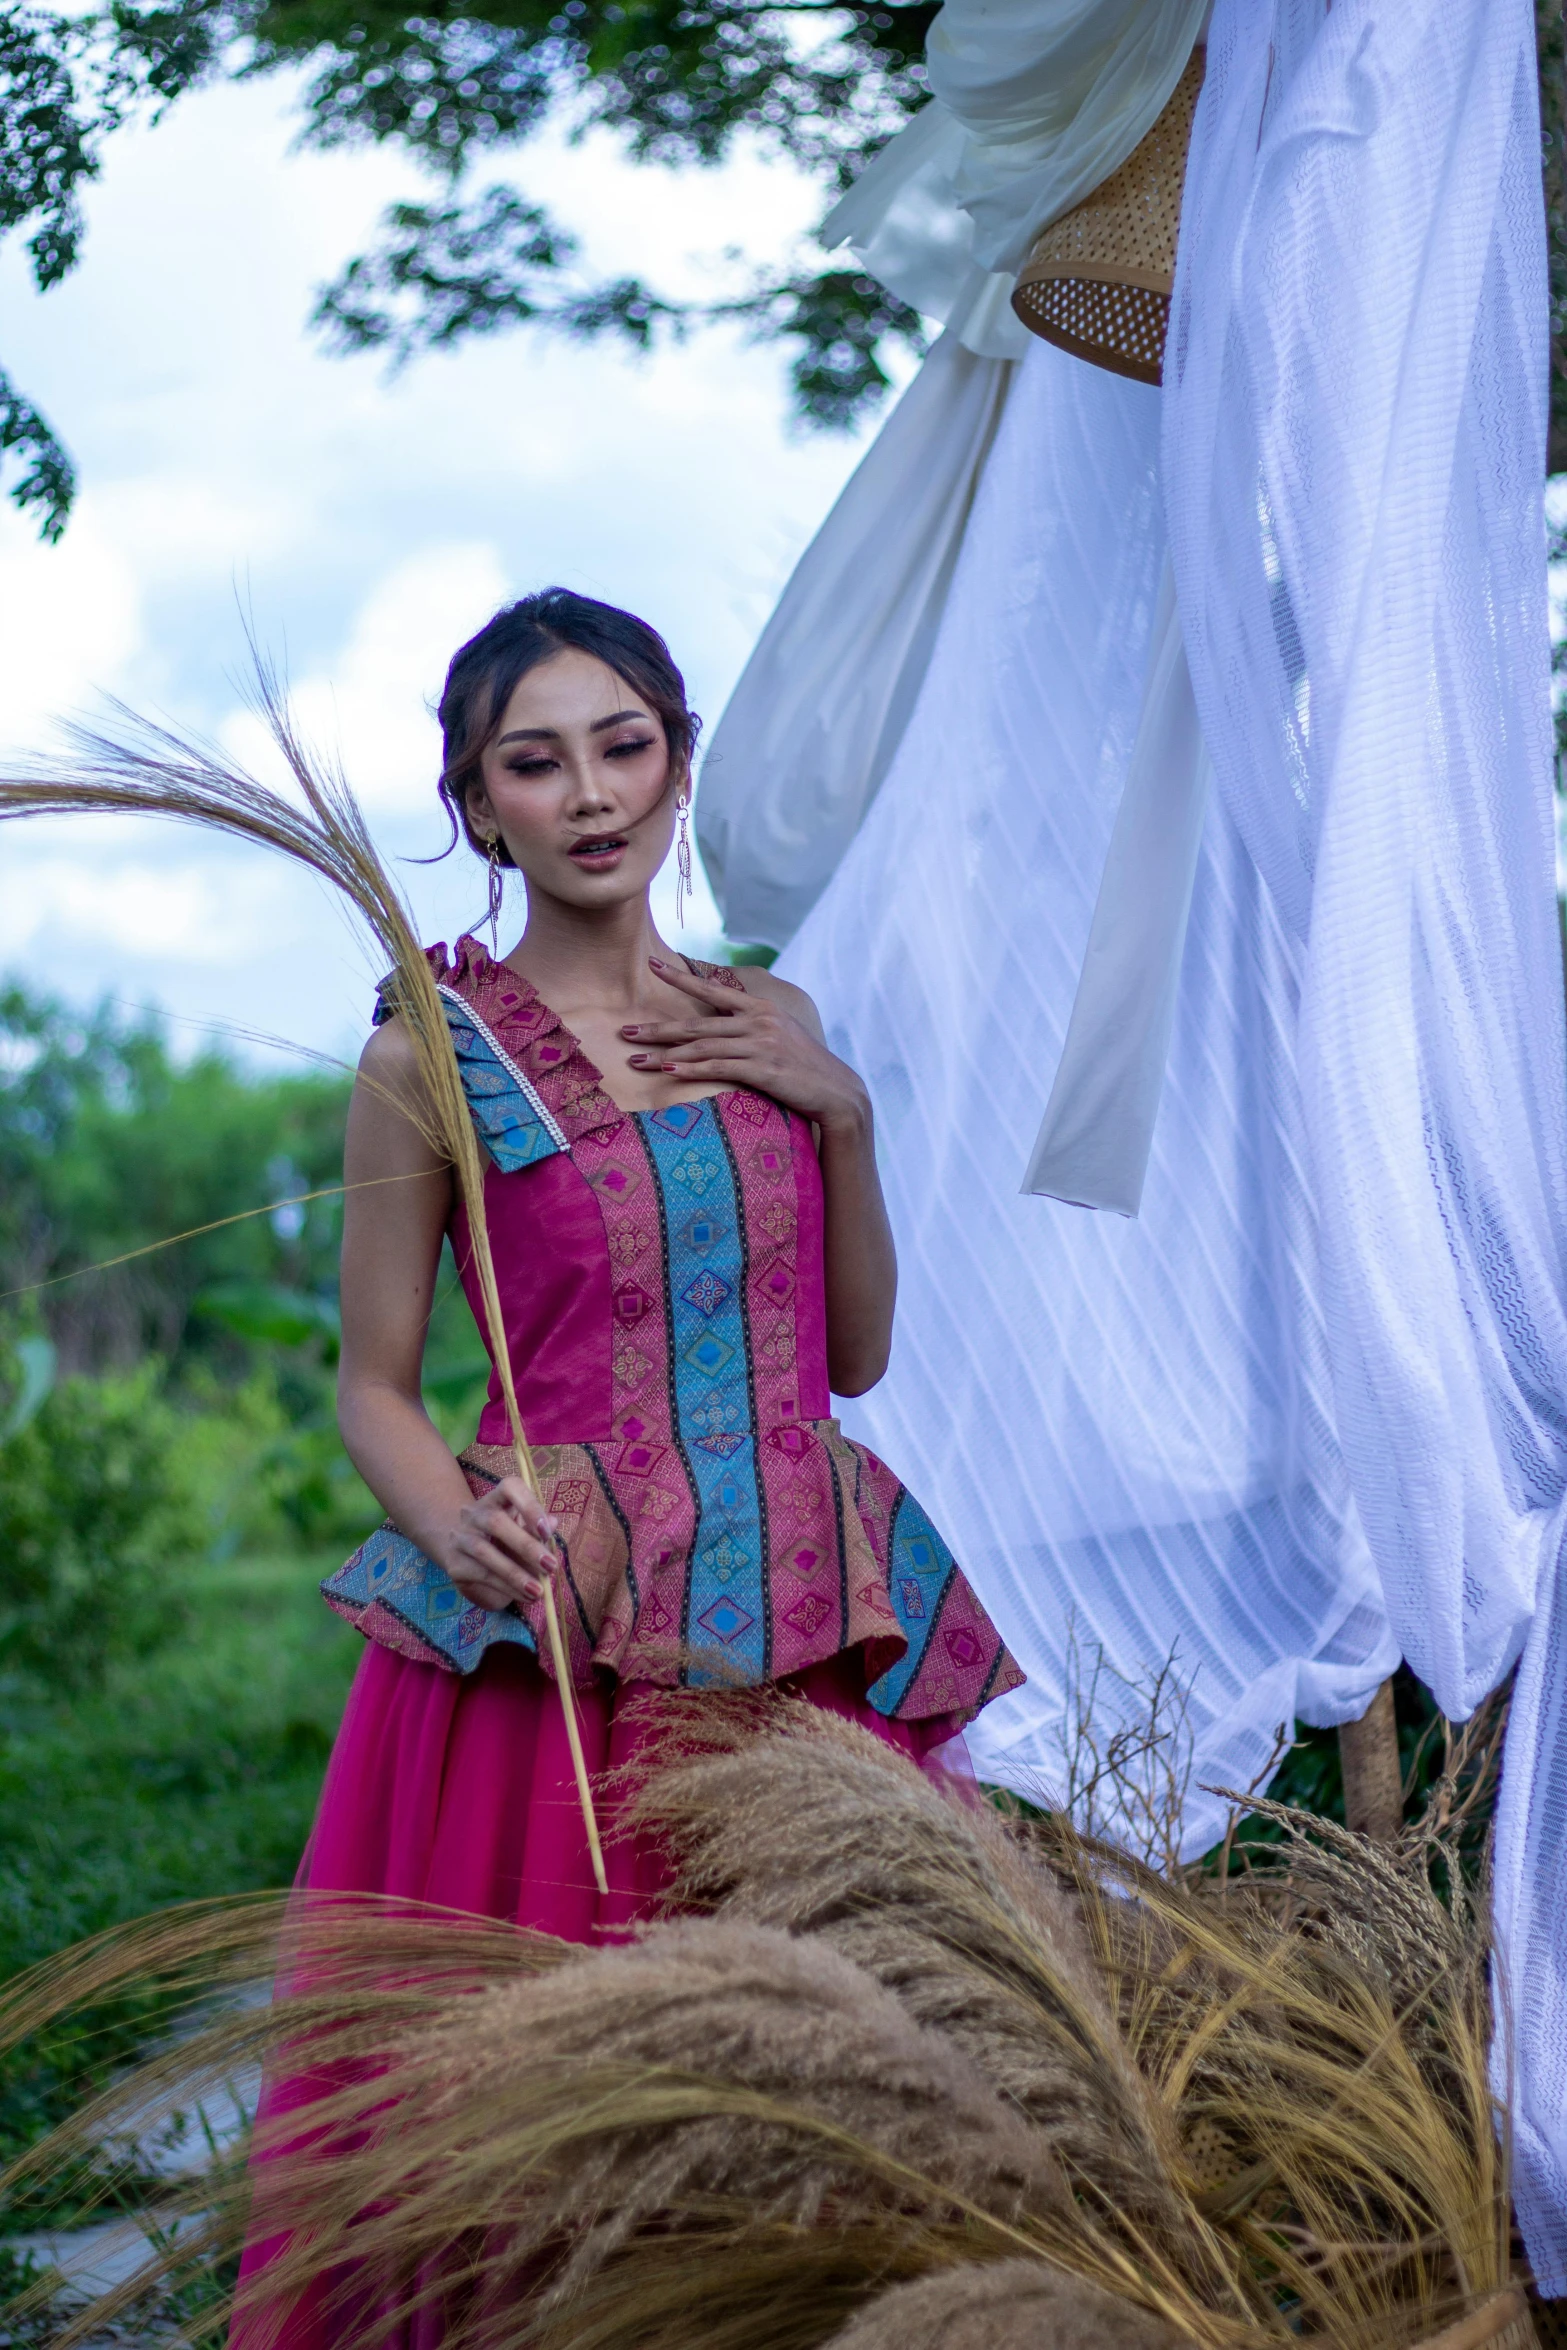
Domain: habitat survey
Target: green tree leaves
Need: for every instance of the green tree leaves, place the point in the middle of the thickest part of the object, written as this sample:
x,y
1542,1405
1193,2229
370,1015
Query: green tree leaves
x,y
47,150
47,143
108,1143
442,273
46,484
678,80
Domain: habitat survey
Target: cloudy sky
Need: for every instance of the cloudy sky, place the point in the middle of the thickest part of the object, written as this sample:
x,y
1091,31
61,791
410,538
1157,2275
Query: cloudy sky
x,y
369,524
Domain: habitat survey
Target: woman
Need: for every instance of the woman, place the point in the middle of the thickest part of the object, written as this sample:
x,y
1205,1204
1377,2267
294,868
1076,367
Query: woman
x,y
691,1249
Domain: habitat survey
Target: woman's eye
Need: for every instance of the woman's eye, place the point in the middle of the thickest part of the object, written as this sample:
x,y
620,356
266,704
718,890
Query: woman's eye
x,y
537,766
626,749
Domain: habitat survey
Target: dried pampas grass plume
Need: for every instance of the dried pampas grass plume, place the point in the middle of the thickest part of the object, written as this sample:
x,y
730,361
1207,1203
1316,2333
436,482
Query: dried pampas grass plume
x,y
938,1901
1003,2305
916,2073
136,767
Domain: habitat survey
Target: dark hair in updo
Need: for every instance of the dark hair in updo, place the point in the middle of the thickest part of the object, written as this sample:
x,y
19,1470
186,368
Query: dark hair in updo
x,y
487,670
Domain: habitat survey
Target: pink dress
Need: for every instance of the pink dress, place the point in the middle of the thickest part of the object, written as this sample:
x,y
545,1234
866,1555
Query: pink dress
x,y
661,1281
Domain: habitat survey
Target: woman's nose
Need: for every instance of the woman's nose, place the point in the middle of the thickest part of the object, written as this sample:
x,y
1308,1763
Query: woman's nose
x,y
590,786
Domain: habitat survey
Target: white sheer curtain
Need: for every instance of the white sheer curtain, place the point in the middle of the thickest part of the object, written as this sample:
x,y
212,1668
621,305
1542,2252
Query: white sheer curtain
x,y
810,730
1312,1409
1354,448
1127,1429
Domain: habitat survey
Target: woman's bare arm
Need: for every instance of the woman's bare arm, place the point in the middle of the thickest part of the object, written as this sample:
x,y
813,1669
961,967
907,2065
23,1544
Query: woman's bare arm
x,y
860,1259
397,1201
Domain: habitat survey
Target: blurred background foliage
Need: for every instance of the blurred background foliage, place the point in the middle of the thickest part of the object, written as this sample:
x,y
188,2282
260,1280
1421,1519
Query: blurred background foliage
x,y
197,1377
108,1143
172,1485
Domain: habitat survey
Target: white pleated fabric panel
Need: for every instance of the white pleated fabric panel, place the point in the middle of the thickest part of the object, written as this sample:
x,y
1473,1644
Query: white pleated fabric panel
x,y
821,706
1125,1429
1354,442
1093,1142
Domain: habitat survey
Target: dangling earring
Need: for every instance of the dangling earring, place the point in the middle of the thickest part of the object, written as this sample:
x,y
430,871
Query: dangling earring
x,y
497,887
682,858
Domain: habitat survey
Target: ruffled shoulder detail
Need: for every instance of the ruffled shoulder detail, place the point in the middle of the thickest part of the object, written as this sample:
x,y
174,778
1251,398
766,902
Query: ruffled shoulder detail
x,y
387,989
721,974
511,1117
546,1053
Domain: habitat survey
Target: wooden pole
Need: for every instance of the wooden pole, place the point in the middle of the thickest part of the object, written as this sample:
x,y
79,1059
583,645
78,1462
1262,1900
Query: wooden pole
x,y
1373,1781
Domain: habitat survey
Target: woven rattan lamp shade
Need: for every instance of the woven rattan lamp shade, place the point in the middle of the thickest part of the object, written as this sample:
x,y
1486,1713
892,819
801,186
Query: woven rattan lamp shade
x,y
1098,281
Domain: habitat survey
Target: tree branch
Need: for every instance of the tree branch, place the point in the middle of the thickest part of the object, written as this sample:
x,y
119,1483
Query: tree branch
x,y
48,482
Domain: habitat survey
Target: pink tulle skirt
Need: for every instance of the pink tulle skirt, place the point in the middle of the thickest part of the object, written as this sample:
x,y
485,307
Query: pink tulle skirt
x,y
460,1791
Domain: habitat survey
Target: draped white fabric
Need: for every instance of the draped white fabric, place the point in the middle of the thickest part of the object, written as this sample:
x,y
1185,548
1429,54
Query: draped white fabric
x,y
811,728
1312,1409
1127,1430
1354,446
1097,1132
1033,103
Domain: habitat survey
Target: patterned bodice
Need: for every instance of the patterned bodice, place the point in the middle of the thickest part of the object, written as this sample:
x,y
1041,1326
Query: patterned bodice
x,y
661,1283
660,1271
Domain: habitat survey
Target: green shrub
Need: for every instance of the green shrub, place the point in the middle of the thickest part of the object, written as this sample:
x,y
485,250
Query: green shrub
x,y
110,1141
268,1464
191,1772
98,1529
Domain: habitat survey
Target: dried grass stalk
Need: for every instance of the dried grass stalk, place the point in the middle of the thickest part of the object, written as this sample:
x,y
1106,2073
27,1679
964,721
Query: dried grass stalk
x,y
895,2085
709,2068
137,767
936,1899
348,1971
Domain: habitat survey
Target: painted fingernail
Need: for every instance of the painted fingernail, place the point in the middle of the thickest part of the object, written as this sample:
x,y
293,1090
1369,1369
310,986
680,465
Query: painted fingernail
x,y
631,1032
549,1527
667,1064
656,962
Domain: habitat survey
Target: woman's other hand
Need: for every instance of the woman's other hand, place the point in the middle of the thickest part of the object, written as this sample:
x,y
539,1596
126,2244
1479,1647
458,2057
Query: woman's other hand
x,y
502,1547
729,1038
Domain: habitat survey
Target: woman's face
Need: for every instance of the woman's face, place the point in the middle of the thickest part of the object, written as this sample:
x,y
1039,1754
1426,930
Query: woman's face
x,y
576,782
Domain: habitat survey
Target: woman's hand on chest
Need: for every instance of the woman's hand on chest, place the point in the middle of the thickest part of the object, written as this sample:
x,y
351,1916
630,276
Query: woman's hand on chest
x,y
767,1037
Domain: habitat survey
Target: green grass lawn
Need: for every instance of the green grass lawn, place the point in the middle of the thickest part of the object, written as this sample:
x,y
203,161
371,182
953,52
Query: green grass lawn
x,y
193,1772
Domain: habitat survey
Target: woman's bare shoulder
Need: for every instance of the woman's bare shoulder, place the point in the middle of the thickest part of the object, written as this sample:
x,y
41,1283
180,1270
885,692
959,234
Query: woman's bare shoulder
x,y
390,1056
390,1094
768,988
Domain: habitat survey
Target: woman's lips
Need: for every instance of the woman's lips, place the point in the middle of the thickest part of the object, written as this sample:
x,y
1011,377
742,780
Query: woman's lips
x,y
598,856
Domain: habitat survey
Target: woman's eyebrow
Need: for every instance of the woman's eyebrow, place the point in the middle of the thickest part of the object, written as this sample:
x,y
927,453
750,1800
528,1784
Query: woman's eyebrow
x,y
552,733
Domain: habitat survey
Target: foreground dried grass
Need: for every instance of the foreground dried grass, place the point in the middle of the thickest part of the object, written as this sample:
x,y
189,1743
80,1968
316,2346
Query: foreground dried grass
x,y
905,2072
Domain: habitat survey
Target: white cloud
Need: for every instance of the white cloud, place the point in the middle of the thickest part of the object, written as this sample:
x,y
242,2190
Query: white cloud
x,y
185,525
370,705
70,623
198,911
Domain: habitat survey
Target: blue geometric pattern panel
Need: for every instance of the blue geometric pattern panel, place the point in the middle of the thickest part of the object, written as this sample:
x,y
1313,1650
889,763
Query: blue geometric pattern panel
x,y
512,1122
433,1620
727,1607
921,1571
514,1126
